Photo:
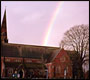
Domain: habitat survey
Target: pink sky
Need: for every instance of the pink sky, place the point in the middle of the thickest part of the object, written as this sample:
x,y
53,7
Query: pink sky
x,y
27,21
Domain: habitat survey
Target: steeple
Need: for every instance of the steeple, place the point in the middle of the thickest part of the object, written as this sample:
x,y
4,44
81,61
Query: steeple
x,y
4,29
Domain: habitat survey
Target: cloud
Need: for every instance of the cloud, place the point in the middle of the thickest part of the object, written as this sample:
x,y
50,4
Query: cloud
x,y
33,17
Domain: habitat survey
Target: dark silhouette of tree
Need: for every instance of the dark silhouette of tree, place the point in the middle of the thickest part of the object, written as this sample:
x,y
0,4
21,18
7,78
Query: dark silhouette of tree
x,y
77,39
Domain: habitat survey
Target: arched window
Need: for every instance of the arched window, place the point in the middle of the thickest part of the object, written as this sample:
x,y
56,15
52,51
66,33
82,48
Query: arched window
x,y
62,59
67,69
49,69
65,73
59,69
56,69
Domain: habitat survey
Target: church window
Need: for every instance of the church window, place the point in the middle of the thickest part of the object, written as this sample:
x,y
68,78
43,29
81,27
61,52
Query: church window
x,y
67,68
49,68
62,59
52,67
65,71
56,70
59,69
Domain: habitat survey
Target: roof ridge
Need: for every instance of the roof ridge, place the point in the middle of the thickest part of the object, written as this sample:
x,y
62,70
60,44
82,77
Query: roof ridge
x,y
31,45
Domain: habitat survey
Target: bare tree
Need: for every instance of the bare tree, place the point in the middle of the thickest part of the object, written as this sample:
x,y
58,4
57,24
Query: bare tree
x,y
77,39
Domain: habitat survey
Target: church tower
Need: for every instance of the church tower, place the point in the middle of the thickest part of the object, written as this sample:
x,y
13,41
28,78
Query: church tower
x,y
4,29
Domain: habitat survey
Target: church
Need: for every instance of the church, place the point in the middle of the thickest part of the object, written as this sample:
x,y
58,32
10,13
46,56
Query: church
x,y
32,61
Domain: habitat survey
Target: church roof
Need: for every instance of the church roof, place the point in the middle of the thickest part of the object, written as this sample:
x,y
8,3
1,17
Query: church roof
x,y
29,51
4,29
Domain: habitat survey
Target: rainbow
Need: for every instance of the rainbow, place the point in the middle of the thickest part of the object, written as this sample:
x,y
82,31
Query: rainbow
x,y
51,24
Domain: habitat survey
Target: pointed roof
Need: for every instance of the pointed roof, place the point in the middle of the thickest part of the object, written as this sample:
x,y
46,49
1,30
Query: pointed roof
x,y
4,27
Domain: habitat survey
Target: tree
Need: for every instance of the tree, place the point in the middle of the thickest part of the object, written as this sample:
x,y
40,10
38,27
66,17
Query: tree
x,y
77,39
